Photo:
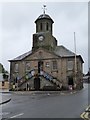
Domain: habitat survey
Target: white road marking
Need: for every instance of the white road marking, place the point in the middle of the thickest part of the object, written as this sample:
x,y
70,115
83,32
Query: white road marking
x,y
17,115
85,115
88,108
82,115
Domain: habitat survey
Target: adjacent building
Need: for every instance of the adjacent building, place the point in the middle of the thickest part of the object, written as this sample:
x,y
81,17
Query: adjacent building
x,y
4,83
54,64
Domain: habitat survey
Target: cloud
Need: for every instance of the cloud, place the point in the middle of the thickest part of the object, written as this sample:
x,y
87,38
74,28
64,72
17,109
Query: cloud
x,y
18,26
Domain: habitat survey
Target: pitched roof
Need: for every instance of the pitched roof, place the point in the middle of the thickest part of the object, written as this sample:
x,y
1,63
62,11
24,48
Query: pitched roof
x,y
21,56
63,52
60,51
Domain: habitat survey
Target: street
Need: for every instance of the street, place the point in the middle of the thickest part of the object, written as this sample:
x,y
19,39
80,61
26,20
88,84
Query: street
x,y
47,105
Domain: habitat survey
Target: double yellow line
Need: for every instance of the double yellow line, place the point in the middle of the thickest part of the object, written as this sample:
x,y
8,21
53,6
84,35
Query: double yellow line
x,y
85,115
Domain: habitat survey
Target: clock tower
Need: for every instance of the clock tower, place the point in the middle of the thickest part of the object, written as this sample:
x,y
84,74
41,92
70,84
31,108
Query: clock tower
x,y
44,33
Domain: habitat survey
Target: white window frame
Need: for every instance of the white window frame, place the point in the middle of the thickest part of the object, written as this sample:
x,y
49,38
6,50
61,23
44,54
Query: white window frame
x,y
70,64
27,66
16,67
54,66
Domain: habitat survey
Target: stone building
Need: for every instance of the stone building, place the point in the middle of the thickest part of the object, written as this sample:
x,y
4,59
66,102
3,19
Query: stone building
x,y
54,64
4,84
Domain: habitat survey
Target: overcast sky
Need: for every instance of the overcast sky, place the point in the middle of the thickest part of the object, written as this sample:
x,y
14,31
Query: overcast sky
x,y
17,27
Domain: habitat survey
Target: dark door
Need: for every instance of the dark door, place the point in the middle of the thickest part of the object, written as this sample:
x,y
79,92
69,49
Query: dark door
x,y
40,66
70,81
37,83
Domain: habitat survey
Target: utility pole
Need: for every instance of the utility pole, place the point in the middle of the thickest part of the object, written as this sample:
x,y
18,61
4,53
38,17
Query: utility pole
x,y
75,55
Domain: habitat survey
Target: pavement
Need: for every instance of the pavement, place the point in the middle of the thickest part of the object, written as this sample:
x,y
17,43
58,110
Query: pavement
x,y
4,96
29,104
44,92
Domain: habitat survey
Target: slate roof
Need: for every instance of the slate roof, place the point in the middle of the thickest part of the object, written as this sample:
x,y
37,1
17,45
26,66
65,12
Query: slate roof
x,y
63,52
59,51
22,56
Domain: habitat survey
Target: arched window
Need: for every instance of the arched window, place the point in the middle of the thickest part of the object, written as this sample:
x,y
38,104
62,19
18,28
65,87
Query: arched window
x,y
37,27
40,26
47,26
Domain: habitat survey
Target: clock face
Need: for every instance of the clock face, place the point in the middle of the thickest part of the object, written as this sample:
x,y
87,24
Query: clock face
x,y
41,38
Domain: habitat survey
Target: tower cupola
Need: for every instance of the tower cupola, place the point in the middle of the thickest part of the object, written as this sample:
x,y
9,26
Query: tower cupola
x,y
44,23
43,38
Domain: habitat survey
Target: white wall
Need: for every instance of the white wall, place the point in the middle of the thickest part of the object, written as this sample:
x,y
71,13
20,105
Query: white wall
x,y
1,77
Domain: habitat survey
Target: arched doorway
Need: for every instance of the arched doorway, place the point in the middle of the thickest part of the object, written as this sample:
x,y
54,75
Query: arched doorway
x,y
40,66
37,82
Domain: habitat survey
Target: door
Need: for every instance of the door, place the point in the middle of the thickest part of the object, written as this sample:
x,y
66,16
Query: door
x,y
37,83
70,82
40,66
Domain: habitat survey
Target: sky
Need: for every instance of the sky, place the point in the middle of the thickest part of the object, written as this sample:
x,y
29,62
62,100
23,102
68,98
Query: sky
x,y
17,27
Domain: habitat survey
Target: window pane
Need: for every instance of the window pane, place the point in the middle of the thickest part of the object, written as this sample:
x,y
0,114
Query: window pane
x,y
16,67
70,65
47,64
54,64
27,66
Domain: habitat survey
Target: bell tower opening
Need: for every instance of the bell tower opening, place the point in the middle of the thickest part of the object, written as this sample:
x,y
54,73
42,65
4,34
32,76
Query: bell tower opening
x,y
47,26
41,26
44,22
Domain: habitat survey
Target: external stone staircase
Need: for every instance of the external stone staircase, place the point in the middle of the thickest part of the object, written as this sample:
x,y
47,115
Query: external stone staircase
x,y
52,79
28,76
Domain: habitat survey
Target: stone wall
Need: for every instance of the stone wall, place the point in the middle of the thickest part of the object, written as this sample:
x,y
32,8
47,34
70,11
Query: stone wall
x,y
61,73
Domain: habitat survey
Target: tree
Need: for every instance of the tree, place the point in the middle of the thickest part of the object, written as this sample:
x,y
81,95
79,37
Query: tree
x,y
4,72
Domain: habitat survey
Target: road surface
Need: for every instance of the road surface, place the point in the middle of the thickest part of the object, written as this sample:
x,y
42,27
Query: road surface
x,y
47,105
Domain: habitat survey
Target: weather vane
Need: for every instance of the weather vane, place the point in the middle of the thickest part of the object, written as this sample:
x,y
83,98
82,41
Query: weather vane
x,y
44,8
